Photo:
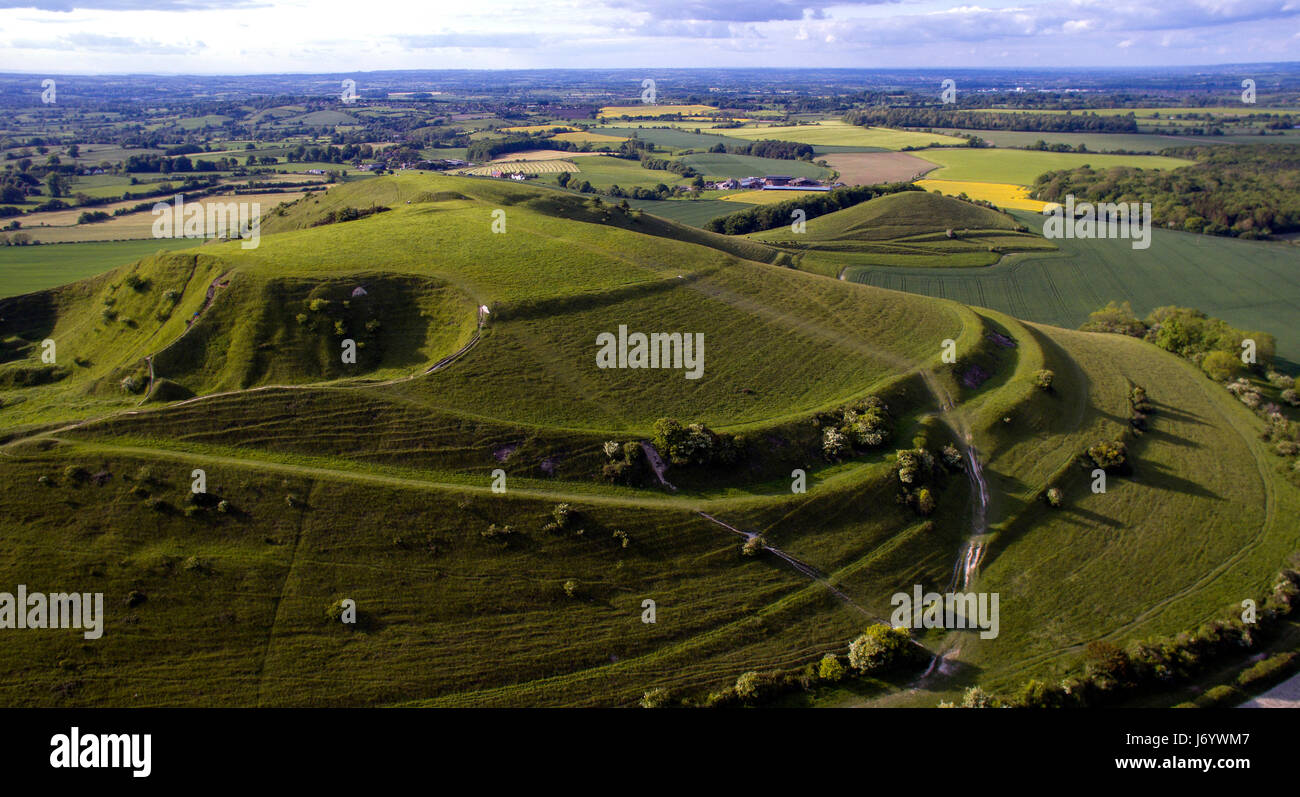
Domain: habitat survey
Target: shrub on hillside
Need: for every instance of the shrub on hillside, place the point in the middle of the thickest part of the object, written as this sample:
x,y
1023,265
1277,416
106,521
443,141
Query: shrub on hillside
x,y
1268,672
1108,455
1043,379
657,697
1220,365
830,669
878,648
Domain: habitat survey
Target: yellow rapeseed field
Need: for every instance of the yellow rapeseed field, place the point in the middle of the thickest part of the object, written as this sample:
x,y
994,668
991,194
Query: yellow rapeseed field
x,y
760,197
1004,195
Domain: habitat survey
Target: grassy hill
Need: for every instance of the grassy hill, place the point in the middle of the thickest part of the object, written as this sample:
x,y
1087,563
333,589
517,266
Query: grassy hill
x,y
904,229
373,482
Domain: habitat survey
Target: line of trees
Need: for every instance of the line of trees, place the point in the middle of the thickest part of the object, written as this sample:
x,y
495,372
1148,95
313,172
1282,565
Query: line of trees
x,y
992,120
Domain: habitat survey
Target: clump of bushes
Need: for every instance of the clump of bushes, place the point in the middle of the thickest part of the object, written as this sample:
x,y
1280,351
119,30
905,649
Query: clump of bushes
x,y
1109,455
1055,497
1220,365
563,515
1246,392
829,669
627,462
695,444
879,648
497,533
861,425
1268,672
1139,408
657,697
919,475
1044,378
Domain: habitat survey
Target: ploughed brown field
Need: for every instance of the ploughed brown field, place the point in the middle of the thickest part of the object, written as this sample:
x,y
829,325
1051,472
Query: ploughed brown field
x,y
869,168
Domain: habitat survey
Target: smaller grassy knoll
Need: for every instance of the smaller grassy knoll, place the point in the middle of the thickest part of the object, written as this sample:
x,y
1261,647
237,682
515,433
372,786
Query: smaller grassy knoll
x,y
912,228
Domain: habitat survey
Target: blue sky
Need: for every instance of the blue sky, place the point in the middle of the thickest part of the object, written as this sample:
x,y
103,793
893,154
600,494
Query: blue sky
x,y
251,36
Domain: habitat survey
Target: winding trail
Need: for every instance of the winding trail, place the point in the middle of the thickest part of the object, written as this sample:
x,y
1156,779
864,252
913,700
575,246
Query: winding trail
x,y
802,567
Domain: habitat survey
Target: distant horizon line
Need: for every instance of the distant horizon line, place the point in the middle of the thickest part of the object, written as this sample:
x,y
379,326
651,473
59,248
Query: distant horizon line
x,y
642,69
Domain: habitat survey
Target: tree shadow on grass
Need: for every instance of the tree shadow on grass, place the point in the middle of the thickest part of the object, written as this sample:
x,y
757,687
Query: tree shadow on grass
x,y
1167,411
1152,474
1173,440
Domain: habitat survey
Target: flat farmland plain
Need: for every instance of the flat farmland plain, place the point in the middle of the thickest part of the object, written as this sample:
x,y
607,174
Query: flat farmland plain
x,y
1254,285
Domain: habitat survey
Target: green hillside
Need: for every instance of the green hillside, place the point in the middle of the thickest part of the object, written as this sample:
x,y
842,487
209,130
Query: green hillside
x,y
373,481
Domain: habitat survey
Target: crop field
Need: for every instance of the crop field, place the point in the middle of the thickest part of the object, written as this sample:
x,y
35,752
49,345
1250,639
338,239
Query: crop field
x,y
557,128
1005,195
871,168
837,133
24,269
673,138
548,166
542,154
620,111
1253,284
1021,167
1147,113
1094,142
588,137
722,165
762,197
62,227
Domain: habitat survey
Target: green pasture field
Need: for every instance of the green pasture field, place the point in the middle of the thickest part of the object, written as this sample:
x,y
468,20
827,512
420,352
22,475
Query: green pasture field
x,y
672,139
1021,167
837,133
1163,112
1095,142
24,269
1253,285
721,166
